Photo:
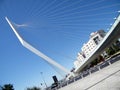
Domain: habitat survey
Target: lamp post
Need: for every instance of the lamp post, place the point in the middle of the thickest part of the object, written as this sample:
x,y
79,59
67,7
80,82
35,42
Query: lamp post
x,y
43,79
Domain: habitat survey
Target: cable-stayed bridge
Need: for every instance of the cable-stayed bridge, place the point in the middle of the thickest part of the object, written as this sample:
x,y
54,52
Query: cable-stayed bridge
x,y
111,36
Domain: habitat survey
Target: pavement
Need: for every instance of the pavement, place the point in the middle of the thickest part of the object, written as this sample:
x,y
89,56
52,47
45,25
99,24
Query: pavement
x,y
107,78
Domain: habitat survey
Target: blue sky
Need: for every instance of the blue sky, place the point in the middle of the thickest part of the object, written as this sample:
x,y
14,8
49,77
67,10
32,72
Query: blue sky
x,y
58,28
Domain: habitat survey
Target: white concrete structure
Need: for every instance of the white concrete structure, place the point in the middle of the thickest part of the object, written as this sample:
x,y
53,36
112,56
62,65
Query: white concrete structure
x,y
95,39
37,52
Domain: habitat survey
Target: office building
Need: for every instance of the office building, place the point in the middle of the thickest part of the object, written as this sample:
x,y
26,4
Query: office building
x,y
87,48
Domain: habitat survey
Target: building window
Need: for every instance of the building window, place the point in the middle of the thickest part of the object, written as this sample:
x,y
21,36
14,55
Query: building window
x,y
96,40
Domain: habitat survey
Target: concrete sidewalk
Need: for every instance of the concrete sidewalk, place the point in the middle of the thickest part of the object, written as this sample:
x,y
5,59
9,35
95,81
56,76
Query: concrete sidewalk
x,y
107,78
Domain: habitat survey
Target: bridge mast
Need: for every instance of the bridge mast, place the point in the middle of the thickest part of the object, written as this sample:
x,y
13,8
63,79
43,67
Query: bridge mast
x,y
37,52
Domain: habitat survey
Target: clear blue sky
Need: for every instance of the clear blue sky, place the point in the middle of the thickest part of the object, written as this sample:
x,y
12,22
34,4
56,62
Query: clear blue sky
x,y
58,28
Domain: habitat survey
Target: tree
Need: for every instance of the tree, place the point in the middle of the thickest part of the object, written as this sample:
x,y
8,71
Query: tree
x,y
34,88
7,87
110,51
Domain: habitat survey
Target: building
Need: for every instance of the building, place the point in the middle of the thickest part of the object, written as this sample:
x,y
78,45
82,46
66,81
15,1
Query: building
x,y
76,63
87,48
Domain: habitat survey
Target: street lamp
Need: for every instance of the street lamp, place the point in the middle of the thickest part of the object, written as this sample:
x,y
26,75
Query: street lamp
x,y
43,79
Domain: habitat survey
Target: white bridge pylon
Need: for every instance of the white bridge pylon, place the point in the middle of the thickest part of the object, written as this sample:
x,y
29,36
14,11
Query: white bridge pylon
x,y
37,52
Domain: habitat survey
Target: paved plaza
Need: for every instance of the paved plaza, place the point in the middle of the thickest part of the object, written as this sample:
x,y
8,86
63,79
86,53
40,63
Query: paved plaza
x,y
107,78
